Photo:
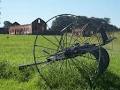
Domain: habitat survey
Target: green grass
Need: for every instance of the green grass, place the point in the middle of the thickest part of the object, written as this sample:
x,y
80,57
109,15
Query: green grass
x,y
17,49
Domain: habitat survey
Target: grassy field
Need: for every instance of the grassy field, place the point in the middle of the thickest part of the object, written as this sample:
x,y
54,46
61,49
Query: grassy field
x,y
17,49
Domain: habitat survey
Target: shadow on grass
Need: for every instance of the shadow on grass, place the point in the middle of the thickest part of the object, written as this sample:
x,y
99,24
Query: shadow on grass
x,y
108,81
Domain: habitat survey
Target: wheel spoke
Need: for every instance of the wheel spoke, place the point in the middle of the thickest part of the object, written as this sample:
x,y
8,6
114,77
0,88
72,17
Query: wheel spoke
x,y
50,41
76,66
61,65
70,65
87,57
56,38
42,56
45,47
71,38
46,52
66,40
77,60
60,43
76,39
66,62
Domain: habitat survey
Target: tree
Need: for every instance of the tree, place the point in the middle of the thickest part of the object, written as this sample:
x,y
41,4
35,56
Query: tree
x,y
107,19
61,22
7,24
94,24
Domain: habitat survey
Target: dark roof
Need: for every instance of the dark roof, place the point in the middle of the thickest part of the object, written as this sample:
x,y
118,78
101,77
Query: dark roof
x,y
39,19
15,23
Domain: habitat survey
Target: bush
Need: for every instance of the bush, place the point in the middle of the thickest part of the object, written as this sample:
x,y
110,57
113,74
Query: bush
x,y
8,71
25,74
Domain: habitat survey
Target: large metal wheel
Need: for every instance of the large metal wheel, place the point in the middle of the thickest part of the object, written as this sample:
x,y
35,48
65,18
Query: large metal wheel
x,y
63,57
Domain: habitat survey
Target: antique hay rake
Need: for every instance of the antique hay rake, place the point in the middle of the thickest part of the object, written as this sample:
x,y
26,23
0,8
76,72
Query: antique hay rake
x,y
64,51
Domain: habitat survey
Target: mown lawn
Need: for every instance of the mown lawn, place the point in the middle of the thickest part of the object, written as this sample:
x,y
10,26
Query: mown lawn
x,y
17,49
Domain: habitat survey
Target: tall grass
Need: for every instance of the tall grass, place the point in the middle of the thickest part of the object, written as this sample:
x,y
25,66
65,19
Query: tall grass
x,y
17,49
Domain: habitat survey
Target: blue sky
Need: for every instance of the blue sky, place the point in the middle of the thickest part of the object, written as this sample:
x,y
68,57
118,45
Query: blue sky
x,y
25,11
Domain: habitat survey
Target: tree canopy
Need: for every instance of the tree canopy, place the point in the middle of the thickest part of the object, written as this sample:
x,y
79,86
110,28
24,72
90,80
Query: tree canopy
x,y
59,23
7,24
94,23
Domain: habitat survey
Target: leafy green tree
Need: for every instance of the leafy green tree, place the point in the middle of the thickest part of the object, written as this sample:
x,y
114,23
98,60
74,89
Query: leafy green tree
x,y
107,19
61,22
7,24
93,23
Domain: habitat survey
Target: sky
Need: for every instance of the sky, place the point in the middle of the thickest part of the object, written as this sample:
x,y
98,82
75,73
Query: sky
x,y
26,11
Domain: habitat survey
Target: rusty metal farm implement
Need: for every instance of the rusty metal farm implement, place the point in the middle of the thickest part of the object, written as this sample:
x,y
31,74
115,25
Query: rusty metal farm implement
x,y
64,52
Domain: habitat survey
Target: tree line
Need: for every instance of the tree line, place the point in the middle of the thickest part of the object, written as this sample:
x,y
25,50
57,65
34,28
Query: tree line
x,y
93,23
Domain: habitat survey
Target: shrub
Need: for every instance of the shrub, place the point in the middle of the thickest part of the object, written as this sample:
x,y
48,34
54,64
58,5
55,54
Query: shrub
x,y
8,71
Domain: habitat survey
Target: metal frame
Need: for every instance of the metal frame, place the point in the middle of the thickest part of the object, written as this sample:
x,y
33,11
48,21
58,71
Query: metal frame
x,y
74,50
